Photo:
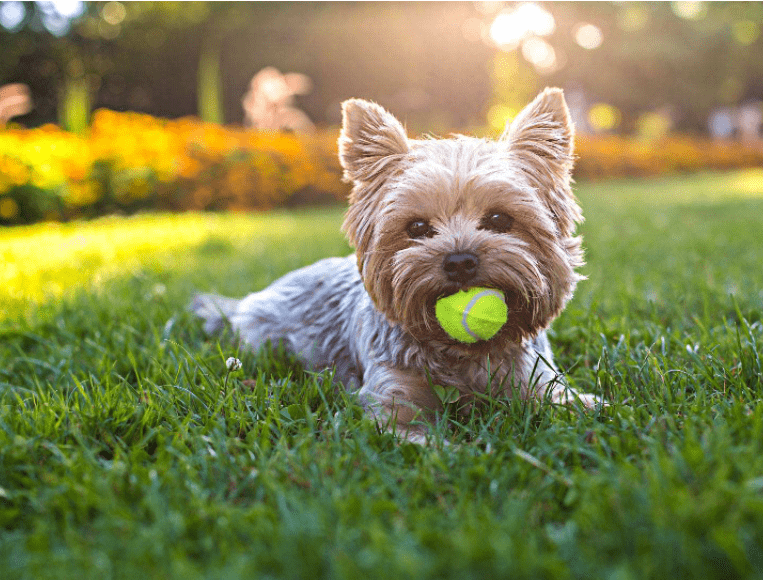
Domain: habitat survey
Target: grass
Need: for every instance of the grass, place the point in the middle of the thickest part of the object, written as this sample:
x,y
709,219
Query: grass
x,y
126,451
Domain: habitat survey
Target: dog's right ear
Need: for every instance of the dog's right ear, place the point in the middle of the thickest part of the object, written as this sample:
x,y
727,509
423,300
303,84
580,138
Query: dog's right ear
x,y
542,138
372,141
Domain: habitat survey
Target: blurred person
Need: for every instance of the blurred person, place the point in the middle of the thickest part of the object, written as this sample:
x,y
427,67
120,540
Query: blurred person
x,y
269,104
15,100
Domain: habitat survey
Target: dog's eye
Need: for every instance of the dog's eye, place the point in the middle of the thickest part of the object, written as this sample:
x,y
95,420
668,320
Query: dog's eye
x,y
497,221
420,229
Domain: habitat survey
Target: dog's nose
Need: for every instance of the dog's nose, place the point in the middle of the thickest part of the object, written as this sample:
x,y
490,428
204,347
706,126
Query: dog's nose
x,y
460,267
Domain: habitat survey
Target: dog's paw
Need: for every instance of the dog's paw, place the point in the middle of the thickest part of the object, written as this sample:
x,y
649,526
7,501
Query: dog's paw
x,y
590,401
568,396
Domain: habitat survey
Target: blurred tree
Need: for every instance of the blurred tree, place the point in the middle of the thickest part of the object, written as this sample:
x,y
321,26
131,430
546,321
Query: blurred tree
x,y
411,57
138,55
43,47
425,61
203,25
76,44
681,58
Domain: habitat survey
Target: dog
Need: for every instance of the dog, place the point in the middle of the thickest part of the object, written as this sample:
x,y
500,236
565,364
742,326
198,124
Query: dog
x,y
429,217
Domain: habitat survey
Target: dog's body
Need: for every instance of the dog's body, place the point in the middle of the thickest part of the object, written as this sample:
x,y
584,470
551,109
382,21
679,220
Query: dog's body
x,y
324,316
428,218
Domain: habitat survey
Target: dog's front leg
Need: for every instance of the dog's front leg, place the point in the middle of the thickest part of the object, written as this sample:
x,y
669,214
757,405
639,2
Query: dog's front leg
x,y
545,381
549,385
401,401
561,394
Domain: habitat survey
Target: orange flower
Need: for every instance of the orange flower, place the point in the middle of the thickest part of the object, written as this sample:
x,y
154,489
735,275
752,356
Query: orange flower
x,y
185,163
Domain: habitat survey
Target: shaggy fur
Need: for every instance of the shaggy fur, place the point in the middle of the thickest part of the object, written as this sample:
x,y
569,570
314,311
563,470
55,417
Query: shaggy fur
x,y
371,315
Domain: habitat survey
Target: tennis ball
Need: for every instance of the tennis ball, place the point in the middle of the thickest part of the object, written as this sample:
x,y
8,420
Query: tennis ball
x,y
472,315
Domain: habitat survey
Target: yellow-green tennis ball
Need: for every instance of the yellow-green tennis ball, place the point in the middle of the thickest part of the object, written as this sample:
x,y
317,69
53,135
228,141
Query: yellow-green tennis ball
x,y
472,315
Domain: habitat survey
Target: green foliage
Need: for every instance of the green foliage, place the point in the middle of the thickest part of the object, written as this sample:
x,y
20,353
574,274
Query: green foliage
x,y
126,449
651,58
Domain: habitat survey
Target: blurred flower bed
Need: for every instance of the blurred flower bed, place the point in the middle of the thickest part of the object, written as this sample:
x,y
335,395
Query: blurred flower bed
x,y
130,162
617,156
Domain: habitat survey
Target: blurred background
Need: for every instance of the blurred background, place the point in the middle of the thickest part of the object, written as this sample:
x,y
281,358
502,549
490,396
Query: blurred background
x,y
125,106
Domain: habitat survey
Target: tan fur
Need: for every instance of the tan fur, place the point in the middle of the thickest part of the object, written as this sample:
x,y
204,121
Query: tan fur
x,y
452,184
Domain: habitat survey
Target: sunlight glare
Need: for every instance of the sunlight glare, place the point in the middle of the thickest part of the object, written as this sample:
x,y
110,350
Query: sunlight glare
x,y
689,10
68,8
513,26
540,53
535,19
506,30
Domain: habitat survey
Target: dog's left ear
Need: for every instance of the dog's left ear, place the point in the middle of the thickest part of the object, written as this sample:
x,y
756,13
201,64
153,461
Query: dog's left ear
x,y
371,146
371,142
542,138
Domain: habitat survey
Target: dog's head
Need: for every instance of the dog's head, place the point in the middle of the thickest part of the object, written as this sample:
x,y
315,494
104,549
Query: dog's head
x,y
429,217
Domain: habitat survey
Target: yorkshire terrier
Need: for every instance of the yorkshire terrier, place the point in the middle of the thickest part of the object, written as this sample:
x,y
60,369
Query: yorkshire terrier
x,y
429,217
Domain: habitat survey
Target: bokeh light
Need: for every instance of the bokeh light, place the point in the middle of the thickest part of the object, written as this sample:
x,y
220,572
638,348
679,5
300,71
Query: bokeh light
x,y
57,16
746,31
689,10
653,125
588,36
12,14
114,13
633,18
506,30
634,56
67,8
9,209
511,27
536,19
604,117
540,53
108,31
488,7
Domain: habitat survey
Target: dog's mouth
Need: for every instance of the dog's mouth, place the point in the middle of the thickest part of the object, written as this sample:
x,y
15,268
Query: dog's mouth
x,y
515,303
512,296
453,287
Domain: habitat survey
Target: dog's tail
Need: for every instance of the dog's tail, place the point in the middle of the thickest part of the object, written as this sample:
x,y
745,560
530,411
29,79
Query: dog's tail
x,y
214,310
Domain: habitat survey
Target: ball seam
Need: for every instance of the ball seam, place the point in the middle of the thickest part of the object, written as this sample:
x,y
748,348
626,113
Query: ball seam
x,y
469,306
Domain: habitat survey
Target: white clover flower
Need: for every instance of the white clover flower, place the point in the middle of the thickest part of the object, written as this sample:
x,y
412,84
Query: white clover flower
x,y
233,364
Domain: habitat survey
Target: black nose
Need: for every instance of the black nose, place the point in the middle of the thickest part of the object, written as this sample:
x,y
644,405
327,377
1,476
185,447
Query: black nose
x,y
460,267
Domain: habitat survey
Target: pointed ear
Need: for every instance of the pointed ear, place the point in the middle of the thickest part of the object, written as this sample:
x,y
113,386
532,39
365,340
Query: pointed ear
x,y
541,137
543,130
371,142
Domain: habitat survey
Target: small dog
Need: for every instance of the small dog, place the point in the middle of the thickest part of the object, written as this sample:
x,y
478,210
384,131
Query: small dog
x,y
427,218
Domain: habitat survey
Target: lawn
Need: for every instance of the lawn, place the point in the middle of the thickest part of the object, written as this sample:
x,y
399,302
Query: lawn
x,y
127,451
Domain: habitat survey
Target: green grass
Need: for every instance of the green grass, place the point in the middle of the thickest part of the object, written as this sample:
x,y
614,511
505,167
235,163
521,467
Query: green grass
x,y
126,451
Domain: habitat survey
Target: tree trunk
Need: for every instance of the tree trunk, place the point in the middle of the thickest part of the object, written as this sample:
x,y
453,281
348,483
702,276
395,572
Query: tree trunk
x,y
74,104
210,83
